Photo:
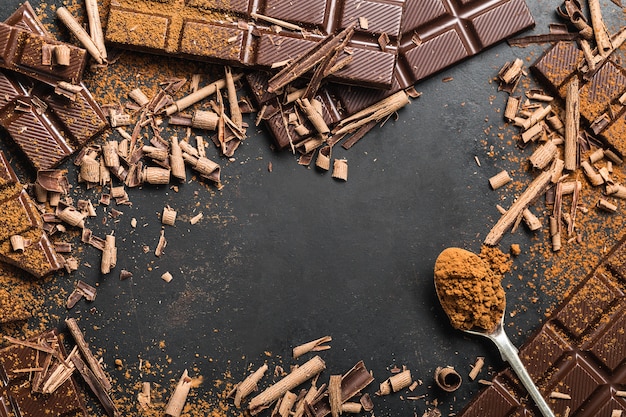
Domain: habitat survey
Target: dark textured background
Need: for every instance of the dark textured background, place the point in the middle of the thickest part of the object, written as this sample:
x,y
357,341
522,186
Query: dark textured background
x,y
287,256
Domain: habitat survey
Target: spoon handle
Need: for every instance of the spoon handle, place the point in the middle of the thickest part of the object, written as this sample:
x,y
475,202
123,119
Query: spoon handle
x,y
509,354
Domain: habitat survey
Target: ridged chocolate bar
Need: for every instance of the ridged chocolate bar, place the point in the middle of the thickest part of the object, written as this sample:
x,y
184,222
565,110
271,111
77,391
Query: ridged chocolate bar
x,y
19,216
46,126
580,351
232,33
599,91
16,396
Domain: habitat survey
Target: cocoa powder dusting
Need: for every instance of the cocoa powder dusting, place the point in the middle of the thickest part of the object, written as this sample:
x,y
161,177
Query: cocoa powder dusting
x,y
469,290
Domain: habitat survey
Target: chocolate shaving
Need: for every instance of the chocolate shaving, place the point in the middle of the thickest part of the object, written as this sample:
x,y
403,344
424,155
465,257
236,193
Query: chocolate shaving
x,y
96,387
309,59
543,38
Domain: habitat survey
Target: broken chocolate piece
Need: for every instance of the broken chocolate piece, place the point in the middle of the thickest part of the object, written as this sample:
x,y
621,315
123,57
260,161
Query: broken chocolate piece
x,y
599,95
16,392
47,127
19,216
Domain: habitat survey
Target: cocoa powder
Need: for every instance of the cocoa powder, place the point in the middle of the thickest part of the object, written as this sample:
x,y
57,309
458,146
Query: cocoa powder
x,y
469,290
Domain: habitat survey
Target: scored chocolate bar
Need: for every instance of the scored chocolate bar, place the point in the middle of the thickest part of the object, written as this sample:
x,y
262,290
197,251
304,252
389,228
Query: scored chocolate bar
x,y
437,34
602,91
434,35
262,34
580,352
47,126
22,51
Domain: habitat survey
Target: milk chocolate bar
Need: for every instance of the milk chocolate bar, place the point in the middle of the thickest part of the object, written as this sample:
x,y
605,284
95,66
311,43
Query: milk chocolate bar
x,y
19,216
244,32
602,106
580,351
46,126
16,395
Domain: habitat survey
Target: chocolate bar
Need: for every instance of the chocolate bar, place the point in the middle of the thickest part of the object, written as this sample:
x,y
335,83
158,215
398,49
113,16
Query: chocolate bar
x,y
434,36
23,50
16,395
244,33
20,217
47,127
437,34
601,103
579,351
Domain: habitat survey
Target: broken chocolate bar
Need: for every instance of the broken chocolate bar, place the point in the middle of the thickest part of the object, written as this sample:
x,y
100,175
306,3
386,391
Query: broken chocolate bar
x,y
22,51
20,217
18,363
263,34
578,353
602,103
46,126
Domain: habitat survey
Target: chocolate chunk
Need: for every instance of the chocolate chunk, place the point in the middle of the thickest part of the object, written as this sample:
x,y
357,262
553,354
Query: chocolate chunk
x,y
578,351
47,127
19,216
600,90
244,33
16,395
437,34
22,51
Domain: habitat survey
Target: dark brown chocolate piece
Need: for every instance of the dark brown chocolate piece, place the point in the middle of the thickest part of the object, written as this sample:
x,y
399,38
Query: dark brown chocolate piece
x,y
353,382
16,396
437,34
19,216
22,50
600,93
47,127
579,351
240,33
434,36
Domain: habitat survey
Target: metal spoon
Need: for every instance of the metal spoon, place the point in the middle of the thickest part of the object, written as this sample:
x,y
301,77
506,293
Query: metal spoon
x,y
509,353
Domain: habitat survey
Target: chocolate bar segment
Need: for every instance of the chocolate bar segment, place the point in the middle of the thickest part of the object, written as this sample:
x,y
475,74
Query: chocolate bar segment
x,y
16,396
238,33
437,34
21,51
579,351
19,216
600,90
46,126
434,35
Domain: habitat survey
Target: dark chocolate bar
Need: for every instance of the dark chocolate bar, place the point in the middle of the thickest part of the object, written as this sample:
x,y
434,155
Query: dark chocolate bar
x,y
16,396
579,351
435,35
22,51
233,32
600,90
19,216
46,126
